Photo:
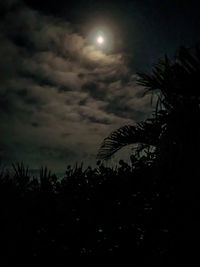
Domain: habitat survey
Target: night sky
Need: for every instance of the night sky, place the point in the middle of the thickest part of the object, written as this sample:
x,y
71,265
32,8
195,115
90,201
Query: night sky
x,y
60,93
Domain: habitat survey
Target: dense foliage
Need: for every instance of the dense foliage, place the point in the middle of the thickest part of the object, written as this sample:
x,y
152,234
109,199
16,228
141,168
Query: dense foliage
x,y
94,212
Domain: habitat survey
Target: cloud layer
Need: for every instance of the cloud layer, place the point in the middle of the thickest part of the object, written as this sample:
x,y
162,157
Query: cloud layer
x,y
59,95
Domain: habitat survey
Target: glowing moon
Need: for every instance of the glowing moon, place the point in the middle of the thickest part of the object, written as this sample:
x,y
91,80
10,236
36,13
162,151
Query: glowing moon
x,y
100,40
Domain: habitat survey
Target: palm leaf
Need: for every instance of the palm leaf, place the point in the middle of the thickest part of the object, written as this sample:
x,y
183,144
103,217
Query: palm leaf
x,y
173,78
141,133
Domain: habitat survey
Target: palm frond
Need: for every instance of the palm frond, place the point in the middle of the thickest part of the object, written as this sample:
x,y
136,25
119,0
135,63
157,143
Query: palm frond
x,y
141,133
173,78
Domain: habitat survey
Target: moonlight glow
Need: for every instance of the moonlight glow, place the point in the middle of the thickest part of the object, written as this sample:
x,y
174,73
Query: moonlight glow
x,y
100,40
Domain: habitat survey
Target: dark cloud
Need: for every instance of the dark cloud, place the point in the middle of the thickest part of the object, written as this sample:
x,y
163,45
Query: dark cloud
x,y
59,95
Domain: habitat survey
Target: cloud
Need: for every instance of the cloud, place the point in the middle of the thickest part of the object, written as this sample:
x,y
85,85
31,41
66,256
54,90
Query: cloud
x,y
59,96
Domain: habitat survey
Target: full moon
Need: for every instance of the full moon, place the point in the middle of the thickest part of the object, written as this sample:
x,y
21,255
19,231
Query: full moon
x,y
100,40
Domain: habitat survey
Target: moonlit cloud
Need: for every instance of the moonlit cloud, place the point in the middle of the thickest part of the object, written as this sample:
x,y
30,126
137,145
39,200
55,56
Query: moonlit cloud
x,y
60,96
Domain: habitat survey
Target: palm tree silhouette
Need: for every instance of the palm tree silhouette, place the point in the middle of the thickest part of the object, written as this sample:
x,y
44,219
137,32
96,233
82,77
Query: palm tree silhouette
x,y
174,132
174,125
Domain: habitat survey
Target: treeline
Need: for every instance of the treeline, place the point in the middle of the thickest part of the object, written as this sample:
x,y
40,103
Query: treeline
x,y
98,212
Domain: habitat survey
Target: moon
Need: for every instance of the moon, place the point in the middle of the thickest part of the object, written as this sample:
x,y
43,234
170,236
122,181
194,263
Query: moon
x,y
100,40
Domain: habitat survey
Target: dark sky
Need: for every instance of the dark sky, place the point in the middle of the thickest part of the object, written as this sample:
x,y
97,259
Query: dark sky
x,y
60,94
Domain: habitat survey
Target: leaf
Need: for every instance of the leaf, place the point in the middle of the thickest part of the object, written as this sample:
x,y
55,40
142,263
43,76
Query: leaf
x,y
141,133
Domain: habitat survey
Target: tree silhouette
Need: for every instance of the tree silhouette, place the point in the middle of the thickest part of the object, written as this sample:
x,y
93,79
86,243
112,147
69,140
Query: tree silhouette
x,y
176,85
174,132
